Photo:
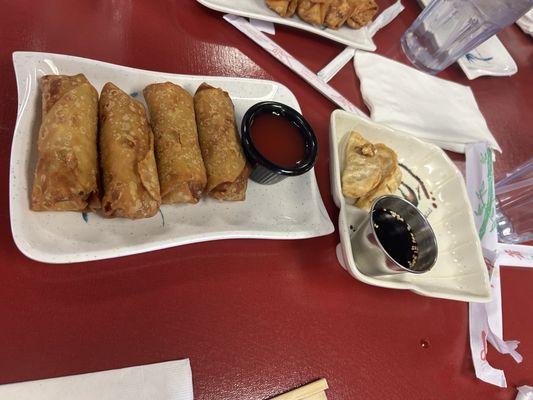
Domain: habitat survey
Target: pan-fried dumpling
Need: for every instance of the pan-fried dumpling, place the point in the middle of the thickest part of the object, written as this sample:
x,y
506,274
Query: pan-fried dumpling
x,y
362,168
338,13
362,14
285,8
314,11
391,177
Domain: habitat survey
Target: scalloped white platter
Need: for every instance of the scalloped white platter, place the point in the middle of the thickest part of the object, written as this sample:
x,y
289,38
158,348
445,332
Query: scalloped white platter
x,y
433,183
291,209
257,9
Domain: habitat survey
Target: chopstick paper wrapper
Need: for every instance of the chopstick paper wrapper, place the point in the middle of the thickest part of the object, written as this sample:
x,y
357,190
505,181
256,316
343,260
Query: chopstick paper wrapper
x,y
170,380
284,57
486,324
383,19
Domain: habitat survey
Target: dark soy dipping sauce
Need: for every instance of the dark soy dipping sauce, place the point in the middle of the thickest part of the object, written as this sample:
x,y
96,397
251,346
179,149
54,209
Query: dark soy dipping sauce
x,y
396,237
278,140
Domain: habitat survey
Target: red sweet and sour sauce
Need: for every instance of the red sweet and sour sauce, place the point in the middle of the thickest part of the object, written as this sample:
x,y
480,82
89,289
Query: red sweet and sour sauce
x,y
278,140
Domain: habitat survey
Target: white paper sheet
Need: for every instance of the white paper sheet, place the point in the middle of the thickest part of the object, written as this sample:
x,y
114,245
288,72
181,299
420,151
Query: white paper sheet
x,y
433,109
525,393
171,380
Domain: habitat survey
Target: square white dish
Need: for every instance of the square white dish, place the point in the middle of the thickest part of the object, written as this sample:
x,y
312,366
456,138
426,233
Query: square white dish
x,y
439,192
490,58
291,209
356,38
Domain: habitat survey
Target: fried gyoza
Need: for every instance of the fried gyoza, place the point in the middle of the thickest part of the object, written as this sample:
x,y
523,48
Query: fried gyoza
x,y
314,11
285,8
362,14
330,13
362,169
391,176
338,13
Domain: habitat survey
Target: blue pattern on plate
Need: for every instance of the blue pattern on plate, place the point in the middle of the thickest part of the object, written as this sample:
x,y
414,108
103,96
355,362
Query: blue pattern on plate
x,y
471,58
85,216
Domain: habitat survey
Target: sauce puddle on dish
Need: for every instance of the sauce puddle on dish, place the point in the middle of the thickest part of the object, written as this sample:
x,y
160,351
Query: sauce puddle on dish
x,y
278,140
429,195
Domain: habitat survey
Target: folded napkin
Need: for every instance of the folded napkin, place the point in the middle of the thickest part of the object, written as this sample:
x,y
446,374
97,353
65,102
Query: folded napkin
x,y
428,107
170,380
524,393
526,22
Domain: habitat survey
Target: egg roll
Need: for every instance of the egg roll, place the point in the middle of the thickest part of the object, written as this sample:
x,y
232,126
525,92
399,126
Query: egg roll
x,y
180,166
225,163
66,175
129,171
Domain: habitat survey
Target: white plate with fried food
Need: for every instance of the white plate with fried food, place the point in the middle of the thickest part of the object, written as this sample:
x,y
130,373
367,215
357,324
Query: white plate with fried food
x,y
349,29
429,180
291,209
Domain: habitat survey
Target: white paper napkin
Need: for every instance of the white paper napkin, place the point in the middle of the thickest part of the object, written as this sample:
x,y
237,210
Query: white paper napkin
x,y
526,22
170,380
525,393
428,107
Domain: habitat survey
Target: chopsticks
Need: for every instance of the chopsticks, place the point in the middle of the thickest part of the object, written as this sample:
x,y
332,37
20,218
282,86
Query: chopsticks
x,y
313,391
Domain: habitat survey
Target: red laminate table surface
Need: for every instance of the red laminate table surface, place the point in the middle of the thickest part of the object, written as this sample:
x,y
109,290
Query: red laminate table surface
x,y
255,317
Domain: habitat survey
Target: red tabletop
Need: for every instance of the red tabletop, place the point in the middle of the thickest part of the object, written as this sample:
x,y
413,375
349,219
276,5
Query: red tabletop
x,y
256,317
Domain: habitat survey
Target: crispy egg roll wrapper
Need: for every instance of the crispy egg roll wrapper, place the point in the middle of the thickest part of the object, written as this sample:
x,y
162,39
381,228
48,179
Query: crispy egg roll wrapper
x,y
129,171
225,163
66,175
180,165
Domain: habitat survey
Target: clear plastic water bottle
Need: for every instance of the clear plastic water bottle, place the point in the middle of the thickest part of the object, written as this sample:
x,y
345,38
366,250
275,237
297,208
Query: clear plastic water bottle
x,y
448,29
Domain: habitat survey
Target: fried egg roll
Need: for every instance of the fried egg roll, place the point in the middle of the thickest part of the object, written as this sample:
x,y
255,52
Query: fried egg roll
x,y
66,175
225,163
129,171
179,160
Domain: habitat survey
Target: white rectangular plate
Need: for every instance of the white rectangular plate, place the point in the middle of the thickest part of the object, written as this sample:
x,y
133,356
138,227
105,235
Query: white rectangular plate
x,y
490,58
291,209
357,38
437,187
